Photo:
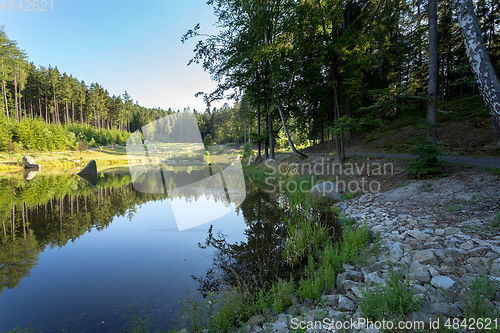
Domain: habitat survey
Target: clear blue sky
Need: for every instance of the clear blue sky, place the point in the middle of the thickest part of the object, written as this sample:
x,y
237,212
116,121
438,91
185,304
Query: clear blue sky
x,y
122,45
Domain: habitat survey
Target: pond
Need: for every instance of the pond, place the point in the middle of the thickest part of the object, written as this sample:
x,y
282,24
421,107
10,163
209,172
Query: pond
x,y
76,257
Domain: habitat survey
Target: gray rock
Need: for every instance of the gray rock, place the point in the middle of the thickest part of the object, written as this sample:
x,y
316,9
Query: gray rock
x,y
418,235
479,265
89,173
341,278
255,320
454,253
345,304
432,271
280,327
336,315
331,300
29,162
452,269
467,245
374,278
358,291
439,232
496,249
448,260
425,257
284,318
450,310
420,273
356,276
328,190
395,253
469,268
348,285
451,230
422,315
478,251
495,268
442,282
375,267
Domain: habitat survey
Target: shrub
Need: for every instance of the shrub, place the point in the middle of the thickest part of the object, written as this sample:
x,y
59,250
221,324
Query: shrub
x,y
208,141
393,301
247,150
478,297
426,164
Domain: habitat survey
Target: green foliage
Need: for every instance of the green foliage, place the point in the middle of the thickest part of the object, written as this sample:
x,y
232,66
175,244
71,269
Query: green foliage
x,y
232,309
247,150
320,275
306,232
478,297
391,101
354,240
91,136
426,164
463,109
5,135
196,312
256,173
281,295
310,285
390,302
348,196
208,141
35,135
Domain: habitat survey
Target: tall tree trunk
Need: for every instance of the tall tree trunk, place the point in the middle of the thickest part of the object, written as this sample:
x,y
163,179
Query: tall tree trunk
x,y
478,58
46,110
270,130
258,123
432,91
67,112
55,104
15,95
4,96
290,142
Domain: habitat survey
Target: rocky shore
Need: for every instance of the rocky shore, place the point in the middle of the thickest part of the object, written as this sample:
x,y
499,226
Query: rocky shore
x,y
439,246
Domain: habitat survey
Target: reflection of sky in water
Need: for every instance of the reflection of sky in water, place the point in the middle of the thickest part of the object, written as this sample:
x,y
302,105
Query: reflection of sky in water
x,y
145,260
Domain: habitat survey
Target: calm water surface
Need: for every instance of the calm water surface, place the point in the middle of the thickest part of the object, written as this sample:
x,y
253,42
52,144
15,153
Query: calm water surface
x,y
75,257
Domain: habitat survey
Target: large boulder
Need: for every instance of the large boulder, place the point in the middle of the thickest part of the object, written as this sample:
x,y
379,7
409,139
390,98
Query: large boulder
x,y
90,168
29,162
326,189
89,173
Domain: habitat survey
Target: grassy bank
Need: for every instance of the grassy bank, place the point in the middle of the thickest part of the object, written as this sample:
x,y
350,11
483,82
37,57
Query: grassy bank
x,y
464,128
66,160
232,306
311,246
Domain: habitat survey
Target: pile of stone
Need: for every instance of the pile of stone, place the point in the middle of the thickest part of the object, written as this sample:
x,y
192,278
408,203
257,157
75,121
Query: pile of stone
x,y
440,263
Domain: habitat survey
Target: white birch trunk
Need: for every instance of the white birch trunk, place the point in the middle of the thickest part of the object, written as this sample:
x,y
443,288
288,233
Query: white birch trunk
x,y
478,58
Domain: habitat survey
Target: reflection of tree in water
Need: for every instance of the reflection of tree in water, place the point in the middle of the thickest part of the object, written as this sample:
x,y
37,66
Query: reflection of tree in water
x,y
50,211
260,258
255,261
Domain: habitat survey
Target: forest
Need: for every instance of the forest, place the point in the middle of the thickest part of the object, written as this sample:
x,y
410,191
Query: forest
x,y
323,69
317,69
